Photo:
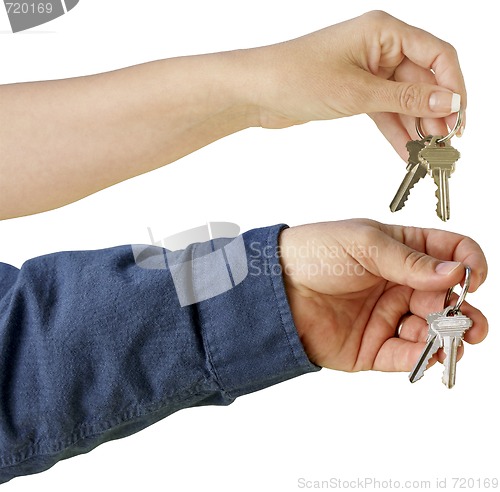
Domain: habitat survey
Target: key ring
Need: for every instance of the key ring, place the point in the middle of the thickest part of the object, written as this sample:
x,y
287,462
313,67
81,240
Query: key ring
x,y
401,323
462,295
458,124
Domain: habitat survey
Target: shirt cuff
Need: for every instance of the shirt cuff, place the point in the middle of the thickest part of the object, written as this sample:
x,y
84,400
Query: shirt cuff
x,y
249,333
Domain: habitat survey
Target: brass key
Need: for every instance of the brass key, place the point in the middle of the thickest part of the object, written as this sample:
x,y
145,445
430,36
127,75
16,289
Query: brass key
x,y
440,158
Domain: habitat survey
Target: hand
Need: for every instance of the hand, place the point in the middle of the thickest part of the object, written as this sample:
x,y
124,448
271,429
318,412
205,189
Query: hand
x,y
350,282
120,124
372,64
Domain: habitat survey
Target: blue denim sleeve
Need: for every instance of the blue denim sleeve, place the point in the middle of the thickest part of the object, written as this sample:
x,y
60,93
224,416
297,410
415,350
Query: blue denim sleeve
x,y
93,348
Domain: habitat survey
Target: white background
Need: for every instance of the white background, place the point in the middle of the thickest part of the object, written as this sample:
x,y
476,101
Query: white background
x,y
322,425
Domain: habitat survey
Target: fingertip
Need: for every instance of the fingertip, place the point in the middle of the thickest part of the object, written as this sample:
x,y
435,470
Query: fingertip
x,y
447,268
444,101
479,330
478,272
434,126
450,273
478,278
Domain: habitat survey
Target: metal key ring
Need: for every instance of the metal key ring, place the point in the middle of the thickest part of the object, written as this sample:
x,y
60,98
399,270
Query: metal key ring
x,y
462,295
458,124
401,323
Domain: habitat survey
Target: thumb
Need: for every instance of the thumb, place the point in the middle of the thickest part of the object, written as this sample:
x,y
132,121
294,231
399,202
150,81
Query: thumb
x,y
399,263
414,99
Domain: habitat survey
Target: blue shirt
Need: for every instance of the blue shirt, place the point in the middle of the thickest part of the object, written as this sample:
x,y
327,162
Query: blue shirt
x,y
94,347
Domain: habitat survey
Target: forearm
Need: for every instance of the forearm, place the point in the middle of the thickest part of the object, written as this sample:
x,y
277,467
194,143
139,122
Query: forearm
x,y
95,347
63,140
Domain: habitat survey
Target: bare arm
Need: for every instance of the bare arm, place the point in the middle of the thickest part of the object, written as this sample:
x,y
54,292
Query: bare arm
x,y
63,140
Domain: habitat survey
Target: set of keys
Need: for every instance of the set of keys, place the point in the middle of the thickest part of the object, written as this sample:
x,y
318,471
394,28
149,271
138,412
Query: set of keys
x,y
446,330
432,155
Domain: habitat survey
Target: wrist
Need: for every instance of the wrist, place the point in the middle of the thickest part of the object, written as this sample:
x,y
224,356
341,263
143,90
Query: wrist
x,y
259,80
230,89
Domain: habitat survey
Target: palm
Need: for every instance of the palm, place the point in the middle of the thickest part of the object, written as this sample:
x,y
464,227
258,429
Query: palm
x,y
353,331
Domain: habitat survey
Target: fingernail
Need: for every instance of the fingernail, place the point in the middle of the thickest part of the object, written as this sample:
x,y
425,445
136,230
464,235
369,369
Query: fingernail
x,y
444,102
447,267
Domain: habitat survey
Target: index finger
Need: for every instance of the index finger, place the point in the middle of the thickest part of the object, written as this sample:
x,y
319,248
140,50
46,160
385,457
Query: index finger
x,y
432,53
398,39
447,246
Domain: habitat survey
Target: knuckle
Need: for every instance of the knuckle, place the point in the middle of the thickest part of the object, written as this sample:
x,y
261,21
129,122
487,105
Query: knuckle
x,y
415,260
449,49
410,97
364,248
377,16
447,52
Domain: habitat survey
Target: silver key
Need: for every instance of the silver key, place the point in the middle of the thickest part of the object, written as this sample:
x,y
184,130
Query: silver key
x,y
451,328
440,158
416,170
433,343
446,330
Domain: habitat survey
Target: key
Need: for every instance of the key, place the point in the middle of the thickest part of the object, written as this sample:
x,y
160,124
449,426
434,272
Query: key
x,y
433,343
416,170
440,158
451,328
446,329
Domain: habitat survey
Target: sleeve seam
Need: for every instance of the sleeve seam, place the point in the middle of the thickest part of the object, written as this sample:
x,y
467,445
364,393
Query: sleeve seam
x,y
280,300
208,351
89,430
